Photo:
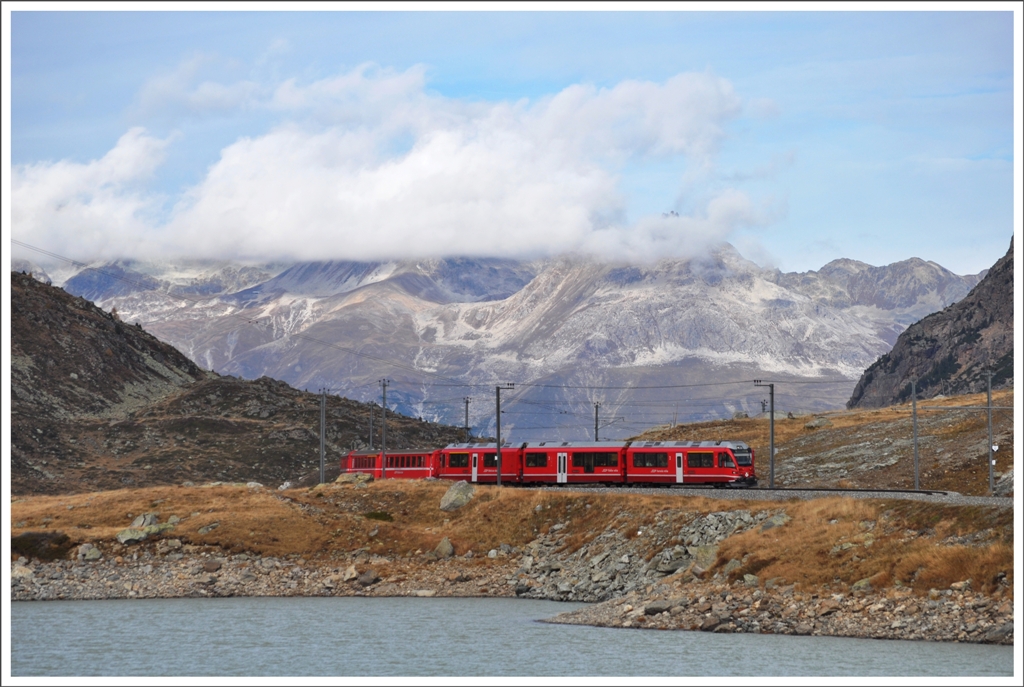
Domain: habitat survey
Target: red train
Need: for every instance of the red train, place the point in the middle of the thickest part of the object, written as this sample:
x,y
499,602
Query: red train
x,y
717,463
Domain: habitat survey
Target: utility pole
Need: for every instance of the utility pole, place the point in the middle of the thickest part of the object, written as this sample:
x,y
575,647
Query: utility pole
x,y
497,421
384,429
323,422
991,456
771,431
371,425
913,394
596,406
467,399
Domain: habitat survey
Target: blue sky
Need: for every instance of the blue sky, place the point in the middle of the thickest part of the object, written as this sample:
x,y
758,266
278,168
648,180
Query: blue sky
x,y
800,137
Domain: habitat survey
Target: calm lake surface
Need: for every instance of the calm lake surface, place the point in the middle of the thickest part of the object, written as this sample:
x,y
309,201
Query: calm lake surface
x,y
247,636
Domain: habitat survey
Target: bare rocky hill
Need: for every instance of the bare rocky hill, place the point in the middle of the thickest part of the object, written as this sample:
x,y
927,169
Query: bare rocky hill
x,y
949,351
98,404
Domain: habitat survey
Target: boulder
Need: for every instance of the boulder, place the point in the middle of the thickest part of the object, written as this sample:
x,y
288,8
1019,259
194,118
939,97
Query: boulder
x,y
1000,634
444,549
457,496
132,535
656,607
350,574
818,422
368,578
144,521
862,586
20,572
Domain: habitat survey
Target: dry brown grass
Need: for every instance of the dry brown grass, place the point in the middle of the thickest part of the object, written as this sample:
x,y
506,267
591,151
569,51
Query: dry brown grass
x,y
886,544
891,540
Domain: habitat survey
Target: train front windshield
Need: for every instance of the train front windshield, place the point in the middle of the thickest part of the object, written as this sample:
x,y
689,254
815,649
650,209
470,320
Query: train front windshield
x,y
743,456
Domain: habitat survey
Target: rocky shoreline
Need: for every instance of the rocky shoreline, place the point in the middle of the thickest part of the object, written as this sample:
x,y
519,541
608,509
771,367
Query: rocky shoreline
x,y
663,593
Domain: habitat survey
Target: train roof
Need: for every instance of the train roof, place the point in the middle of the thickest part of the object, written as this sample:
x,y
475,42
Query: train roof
x,y
575,444
392,452
734,445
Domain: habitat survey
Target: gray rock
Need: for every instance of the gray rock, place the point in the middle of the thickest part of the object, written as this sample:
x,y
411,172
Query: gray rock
x,y
132,535
777,520
350,574
999,634
457,496
368,578
656,607
209,528
818,422
710,623
21,572
144,521
750,580
444,549
863,586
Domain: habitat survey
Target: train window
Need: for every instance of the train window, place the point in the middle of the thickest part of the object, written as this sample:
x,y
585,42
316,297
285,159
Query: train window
x,y
725,461
536,460
590,460
650,460
743,456
490,460
700,459
458,460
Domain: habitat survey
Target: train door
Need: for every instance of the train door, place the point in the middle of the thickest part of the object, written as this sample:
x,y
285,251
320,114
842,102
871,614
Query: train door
x,y
679,468
474,466
563,468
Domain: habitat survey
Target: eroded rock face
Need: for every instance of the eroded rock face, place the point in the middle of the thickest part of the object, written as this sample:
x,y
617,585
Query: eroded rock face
x,y
457,496
949,351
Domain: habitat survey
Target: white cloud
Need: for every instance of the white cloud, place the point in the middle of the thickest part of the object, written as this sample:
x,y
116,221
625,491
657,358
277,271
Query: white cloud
x,y
372,165
181,91
97,209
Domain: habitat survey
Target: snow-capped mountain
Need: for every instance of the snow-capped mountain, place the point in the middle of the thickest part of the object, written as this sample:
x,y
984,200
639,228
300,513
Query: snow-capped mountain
x,y
651,344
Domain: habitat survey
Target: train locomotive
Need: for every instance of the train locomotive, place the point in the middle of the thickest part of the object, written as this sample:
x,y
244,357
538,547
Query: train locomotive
x,y
664,463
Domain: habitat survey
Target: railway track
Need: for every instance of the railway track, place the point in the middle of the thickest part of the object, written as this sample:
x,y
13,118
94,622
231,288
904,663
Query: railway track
x,y
785,493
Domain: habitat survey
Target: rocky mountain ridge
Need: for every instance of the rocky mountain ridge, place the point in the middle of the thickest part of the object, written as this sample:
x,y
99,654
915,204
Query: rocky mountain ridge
x,y
550,326
948,352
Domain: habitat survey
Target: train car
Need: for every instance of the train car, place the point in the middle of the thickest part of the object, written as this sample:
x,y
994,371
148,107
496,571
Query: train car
x,y
690,462
567,462
479,463
408,464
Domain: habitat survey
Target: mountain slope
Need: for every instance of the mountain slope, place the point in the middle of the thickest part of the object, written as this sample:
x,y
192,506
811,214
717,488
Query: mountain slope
x,y
99,404
949,351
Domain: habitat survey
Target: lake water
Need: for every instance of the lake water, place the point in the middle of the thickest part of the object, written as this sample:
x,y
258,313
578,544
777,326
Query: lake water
x,y
246,636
